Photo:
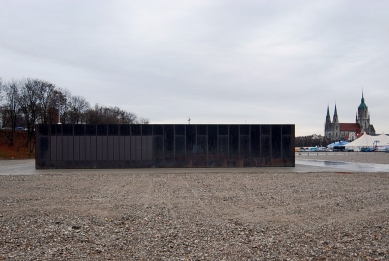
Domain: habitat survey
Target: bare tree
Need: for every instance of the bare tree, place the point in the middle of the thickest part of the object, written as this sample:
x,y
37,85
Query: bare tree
x,y
63,97
10,109
29,105
78,106
128,117
143,121
46,100
109,115
36,101
1,103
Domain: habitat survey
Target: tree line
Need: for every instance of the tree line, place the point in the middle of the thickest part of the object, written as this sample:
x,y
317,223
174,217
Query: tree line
x,y
311,141
26,102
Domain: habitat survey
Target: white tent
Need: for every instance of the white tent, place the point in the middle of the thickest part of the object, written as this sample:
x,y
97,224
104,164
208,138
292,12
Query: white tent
x,y
368,141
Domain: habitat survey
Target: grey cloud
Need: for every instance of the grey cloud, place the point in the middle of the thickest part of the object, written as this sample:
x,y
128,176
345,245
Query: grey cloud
x,y
215,61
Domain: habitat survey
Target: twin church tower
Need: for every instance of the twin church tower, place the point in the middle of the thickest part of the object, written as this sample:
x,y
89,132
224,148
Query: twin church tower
x,y
337,131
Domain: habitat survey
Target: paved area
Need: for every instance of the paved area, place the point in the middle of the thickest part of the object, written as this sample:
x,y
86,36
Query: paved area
x,y
310,164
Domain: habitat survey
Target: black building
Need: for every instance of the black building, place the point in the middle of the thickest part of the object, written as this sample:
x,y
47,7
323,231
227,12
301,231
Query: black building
x,y
164,145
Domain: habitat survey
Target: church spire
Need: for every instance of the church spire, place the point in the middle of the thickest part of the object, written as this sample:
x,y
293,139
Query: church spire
x,y
363,99
328,117
335,119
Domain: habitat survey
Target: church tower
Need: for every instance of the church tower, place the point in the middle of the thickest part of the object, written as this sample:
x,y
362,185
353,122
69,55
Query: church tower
x,y
328,125
335,119
328,117
335,124
334,130
363,117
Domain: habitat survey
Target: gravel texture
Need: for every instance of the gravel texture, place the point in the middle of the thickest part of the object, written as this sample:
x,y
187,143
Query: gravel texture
x,y
198,216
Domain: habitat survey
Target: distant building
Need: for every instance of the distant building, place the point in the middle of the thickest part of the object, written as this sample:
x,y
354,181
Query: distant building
x,y
348,131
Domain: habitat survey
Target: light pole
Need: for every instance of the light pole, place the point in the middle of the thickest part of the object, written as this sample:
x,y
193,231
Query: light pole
x,y
376,142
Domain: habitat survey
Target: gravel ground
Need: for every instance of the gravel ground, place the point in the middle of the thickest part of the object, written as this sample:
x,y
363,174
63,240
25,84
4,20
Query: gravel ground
x,y
197,216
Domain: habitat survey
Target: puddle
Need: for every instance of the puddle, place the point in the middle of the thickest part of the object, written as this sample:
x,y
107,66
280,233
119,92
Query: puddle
x,y
346,166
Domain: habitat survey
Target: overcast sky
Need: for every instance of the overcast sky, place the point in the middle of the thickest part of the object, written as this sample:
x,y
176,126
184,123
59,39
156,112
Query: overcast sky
x,y
254,62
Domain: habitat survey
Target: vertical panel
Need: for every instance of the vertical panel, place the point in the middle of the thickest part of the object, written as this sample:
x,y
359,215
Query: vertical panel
x,y
88,148
212,140
138,146
276,141
122,146
147,130
53,148
99,148
65,146
93,148
234,141
169,142
201,129
179,148
190,139
124,130
133,148
67,129
201,148
70,149
147,147
286,146
110,147
116,148
79,129
255,135
113,129
82,148
102,129
265,146
158,147
179,129
105,147
127,148
223,147
244,146
287,149
60,148
136,129
91,129
265,129
223,130
144,148
286,129
149,141
56,129
157,130
244,129
44,152
76,148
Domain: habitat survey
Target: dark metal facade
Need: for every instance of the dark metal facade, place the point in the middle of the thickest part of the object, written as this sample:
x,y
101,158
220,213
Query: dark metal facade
x,y
164,145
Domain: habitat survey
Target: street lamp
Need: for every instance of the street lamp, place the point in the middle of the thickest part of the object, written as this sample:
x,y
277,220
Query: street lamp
x,y
376,142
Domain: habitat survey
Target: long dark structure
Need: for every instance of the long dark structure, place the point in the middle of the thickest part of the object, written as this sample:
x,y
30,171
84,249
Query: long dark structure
x,y
73,146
